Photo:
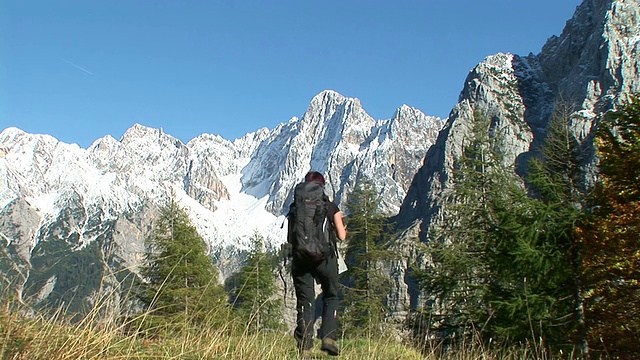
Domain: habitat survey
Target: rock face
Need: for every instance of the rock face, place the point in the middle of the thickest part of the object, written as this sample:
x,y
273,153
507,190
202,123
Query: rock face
x,y
592,66
339,139
71,217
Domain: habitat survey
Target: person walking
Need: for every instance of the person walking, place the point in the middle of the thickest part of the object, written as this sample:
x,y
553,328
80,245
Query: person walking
x,y
315,258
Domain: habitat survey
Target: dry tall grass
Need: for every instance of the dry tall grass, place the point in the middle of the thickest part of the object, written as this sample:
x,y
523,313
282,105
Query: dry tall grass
x,y
55,338
36,337
29,336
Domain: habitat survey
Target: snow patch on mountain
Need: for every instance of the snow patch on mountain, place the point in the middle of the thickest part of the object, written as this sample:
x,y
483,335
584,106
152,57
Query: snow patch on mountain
x,y
59,202
236,219
45,204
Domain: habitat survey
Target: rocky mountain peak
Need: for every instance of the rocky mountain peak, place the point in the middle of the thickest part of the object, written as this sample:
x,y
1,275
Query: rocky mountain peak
x,y
593,63
592,66
404,111
138,131
105,197
332,116
10,132
410,121
328,99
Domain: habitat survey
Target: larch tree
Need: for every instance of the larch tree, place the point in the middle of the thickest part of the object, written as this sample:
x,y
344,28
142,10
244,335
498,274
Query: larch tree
x,y
610,238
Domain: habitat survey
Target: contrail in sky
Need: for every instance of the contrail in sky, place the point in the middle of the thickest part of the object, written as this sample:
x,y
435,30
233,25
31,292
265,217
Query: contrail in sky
x,y
76,66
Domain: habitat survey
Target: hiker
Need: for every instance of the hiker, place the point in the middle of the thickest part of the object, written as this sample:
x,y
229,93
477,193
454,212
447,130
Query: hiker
x,y
315,261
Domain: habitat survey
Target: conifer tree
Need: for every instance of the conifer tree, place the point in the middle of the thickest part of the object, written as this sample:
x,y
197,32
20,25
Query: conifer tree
x,y
366,254
610,238
254,289
499,257
181,281
462,247
556,178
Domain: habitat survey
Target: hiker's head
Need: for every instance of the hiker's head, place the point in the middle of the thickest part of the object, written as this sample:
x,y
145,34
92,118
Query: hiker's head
x,y
314,176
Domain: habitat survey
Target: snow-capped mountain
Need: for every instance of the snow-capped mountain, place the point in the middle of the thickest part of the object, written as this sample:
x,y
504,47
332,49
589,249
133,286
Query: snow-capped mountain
x,y
71,215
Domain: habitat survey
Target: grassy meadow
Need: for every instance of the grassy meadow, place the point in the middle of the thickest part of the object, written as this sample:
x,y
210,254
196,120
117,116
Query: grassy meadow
x,y
53,337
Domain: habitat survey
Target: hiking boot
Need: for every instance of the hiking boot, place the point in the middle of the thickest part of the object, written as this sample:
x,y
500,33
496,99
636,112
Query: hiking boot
x,y
330,347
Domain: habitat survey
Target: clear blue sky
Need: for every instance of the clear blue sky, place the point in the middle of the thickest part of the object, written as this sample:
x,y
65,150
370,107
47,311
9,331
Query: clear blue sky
x,y
81,69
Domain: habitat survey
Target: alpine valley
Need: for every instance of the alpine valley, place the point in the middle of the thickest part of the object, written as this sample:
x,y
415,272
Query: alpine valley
x,y
73,221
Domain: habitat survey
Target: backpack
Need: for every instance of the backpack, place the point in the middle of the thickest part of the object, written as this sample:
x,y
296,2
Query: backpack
x,y
309,225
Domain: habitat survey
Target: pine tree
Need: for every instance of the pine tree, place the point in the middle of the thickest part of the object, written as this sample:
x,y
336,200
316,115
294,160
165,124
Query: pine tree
x,y
462,247
610,238
254,288
498,256
366,254
556,179
181,281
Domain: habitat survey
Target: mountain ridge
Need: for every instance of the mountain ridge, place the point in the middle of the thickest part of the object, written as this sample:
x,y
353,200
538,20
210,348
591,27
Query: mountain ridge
x,y
60,200
109,201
